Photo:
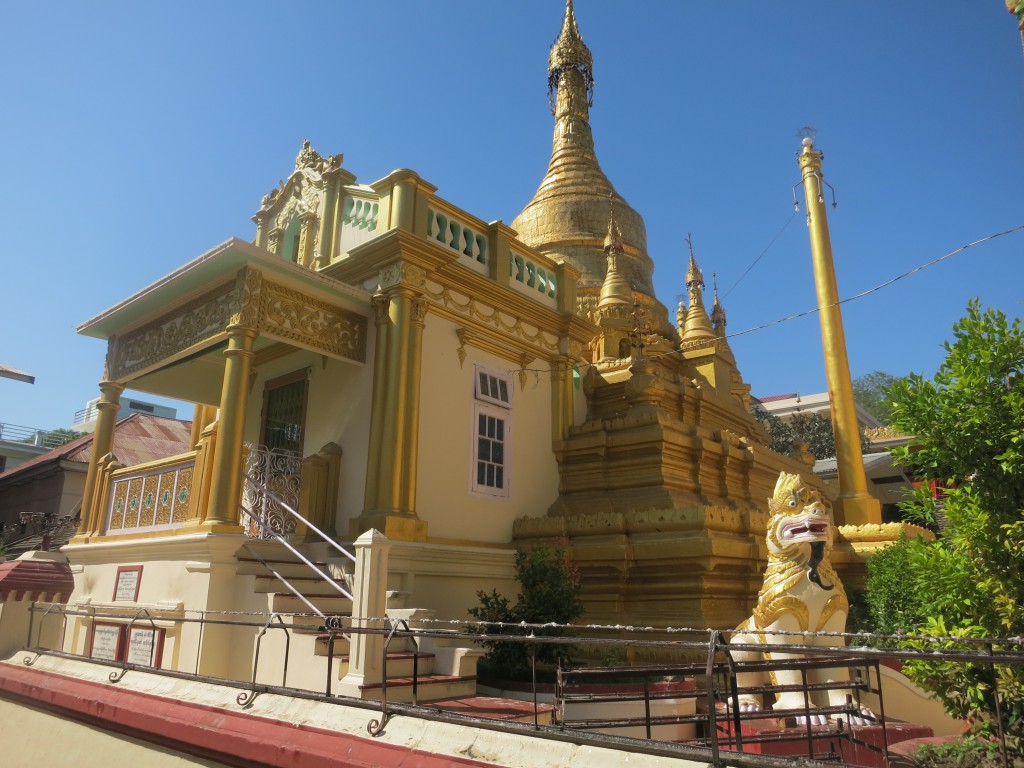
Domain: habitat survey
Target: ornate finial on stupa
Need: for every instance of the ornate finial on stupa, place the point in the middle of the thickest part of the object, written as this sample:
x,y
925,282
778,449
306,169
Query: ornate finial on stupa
x,y
694,277
615,289
717,312
570,52
698,324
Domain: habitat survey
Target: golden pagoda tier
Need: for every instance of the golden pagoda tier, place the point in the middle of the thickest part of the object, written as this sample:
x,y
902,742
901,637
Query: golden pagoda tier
x,y
567,217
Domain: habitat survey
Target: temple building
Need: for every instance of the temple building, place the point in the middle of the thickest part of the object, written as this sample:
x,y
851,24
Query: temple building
x,y
406,375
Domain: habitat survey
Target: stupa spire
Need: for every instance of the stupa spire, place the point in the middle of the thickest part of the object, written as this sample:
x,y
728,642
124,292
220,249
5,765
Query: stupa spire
x,y
569,52
568,216
698,324
717,312
615,289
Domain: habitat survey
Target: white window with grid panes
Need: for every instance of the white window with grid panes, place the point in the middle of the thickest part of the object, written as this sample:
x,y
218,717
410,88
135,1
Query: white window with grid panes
x,y
492,395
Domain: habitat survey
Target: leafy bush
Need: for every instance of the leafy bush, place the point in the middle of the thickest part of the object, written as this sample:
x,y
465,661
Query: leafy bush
x,y
549,594
969,583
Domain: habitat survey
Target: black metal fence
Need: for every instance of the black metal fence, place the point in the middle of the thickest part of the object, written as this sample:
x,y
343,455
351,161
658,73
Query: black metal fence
x,y
707,685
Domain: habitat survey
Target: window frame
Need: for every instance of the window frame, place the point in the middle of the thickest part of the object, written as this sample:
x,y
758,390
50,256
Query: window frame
x,y
487,405
283,381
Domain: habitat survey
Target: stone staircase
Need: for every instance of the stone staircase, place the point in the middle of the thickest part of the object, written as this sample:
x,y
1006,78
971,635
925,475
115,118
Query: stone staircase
x,y
444,669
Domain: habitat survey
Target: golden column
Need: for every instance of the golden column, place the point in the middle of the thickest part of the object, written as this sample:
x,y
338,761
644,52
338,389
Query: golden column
x,y
102,444
202,417
857,506
381,307
390,498
226,480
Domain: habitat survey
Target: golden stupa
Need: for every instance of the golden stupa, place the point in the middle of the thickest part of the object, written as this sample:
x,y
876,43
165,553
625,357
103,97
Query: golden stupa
x,y
568,215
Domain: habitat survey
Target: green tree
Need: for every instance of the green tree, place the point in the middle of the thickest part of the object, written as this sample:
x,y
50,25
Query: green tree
x,y
549,594
870,392
968,423
58,437
815,429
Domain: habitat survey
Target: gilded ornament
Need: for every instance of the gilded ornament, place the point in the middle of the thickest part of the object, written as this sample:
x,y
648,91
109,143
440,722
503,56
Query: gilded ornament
x,y
492,316
295,316
248,286
402,274
175,332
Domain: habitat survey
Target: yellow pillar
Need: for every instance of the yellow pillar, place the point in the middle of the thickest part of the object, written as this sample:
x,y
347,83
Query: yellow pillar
x,y
202,417
857,506
394,427
392,473
561,397
371,497
226,480
307,235
411,404
102,444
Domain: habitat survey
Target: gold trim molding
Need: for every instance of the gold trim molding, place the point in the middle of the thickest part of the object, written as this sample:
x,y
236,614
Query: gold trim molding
x,y
488,317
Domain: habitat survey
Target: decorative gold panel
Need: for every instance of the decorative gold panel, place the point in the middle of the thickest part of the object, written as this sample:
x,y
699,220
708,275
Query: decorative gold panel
x,y
180,329
165,502
131,515
118,505
181,494
149,500
301,318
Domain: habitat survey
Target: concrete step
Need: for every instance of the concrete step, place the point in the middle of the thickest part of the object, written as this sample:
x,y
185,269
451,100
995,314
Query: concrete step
x,y
429,688
496,708
288,568
341,645
327,602
309,583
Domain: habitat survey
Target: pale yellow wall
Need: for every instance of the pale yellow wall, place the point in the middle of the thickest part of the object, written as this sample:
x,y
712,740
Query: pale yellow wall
x,y
181,577
45,739
338,410
443,497
446,579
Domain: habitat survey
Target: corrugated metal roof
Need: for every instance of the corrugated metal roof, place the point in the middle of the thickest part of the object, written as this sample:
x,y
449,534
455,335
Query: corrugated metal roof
x,y
773,398
138,438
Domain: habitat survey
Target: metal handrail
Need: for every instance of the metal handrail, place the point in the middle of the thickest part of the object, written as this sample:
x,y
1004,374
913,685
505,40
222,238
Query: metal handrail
x,y
294,513
288,545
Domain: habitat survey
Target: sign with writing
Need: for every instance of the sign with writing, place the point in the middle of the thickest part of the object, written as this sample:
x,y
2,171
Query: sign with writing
x,y
144,646
129,579
106,641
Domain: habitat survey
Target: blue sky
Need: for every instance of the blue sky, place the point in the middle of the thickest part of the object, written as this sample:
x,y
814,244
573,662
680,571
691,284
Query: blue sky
x,y
137,135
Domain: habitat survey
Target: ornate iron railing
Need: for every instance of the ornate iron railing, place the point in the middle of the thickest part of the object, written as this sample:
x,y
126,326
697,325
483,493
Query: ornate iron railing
x,y
273,482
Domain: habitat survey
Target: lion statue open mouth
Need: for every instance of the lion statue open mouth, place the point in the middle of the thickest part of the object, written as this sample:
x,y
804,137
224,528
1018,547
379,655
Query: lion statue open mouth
x,y
801,593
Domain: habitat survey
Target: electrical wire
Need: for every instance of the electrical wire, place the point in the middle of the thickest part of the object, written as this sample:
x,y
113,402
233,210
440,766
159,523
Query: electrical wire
x,y
754,264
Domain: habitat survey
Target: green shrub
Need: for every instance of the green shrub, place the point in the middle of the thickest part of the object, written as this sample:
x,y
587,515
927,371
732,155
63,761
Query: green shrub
x,y
549,594
968,423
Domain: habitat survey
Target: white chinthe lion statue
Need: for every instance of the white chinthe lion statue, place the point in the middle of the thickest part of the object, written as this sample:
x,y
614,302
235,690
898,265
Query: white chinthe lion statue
x,y
801,593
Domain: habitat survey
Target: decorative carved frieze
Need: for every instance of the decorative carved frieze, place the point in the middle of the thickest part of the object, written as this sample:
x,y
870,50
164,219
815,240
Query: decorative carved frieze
x,y
303,319
183,327
251,302
248,286
402,274
489,315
